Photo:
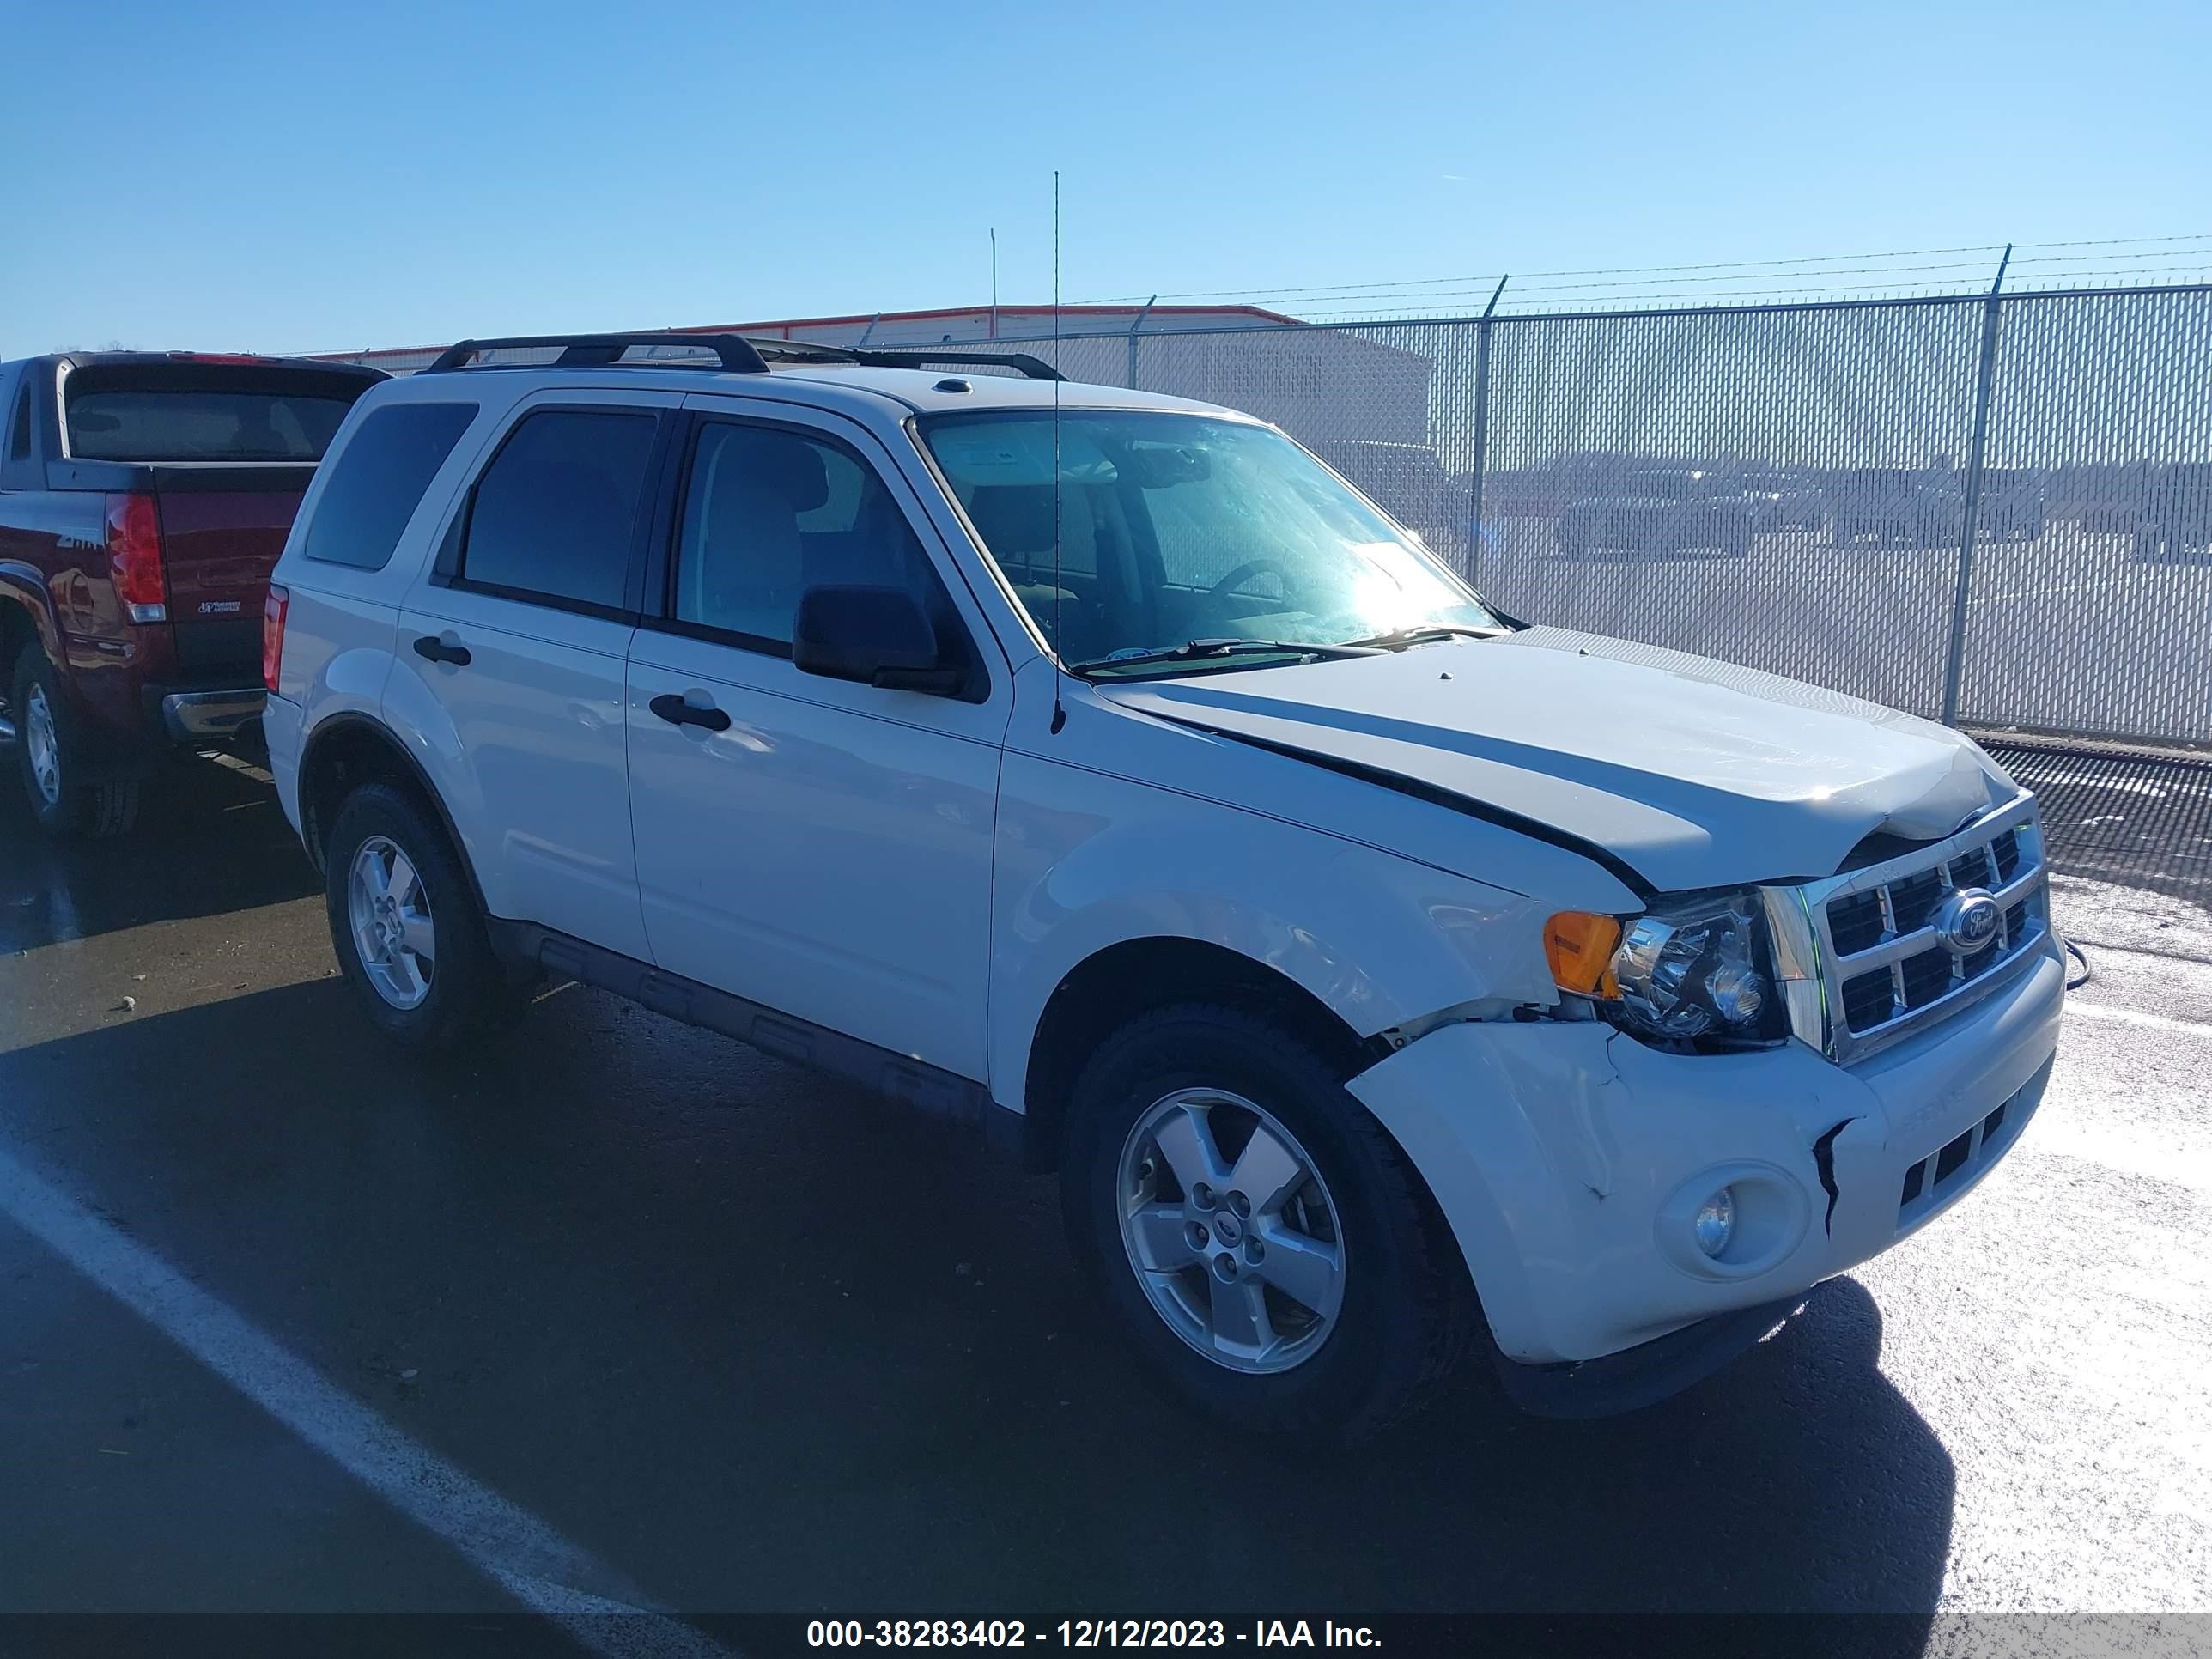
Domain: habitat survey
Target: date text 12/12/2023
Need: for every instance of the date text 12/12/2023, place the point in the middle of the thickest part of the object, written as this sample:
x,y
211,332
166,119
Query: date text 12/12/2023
x,y
1081,1633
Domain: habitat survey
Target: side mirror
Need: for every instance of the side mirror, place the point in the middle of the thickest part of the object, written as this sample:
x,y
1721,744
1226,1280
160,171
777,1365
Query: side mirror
x,y
879,636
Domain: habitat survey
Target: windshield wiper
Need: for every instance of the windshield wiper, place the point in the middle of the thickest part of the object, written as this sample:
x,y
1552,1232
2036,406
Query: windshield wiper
x,y
1398,638
1197,650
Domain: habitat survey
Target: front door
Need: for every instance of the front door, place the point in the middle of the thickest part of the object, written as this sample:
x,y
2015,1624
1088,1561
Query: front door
x,y
819,846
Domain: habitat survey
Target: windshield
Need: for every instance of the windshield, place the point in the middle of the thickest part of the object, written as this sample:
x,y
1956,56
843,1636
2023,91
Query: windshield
x,y
1182,527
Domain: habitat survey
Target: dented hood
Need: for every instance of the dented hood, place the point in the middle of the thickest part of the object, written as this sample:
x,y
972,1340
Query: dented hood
x,y
1687,772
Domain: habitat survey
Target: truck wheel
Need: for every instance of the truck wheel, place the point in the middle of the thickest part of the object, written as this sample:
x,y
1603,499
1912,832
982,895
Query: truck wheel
x,y
1257,1235
410,938
48,754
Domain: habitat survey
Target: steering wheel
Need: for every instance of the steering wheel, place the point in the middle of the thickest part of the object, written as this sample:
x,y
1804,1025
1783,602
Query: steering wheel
x,y
1237,578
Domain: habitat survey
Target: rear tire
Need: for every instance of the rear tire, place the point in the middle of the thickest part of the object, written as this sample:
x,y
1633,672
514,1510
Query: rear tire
x,y
1381,1312
410,936
49,755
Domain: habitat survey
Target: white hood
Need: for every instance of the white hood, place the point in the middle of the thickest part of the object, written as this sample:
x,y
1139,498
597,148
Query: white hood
x,y
1692,772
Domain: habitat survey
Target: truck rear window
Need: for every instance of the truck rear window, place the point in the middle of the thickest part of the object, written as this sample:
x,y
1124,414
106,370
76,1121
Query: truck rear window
x,y
156,413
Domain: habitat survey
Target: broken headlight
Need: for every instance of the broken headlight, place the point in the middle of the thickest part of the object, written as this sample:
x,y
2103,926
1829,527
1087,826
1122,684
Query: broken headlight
x,y
1696,966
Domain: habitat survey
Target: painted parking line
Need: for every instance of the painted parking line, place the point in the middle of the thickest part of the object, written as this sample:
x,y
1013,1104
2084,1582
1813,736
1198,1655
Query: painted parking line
x,y
2076,1007
543,1572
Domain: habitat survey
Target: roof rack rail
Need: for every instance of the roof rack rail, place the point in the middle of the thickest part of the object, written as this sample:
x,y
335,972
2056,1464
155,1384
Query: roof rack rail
x,y
735,353
815,351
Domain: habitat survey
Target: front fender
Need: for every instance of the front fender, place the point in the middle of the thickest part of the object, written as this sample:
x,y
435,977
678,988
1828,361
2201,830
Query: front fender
x,y
1085,860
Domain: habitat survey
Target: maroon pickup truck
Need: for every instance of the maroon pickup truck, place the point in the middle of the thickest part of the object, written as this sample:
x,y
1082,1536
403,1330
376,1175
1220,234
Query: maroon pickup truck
x,y
144,498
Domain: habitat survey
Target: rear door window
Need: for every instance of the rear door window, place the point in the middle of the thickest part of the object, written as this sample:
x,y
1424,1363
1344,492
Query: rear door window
x,y
555,514
378,480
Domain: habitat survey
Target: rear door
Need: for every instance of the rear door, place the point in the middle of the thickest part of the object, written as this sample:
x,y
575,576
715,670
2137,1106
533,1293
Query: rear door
x,y
511,655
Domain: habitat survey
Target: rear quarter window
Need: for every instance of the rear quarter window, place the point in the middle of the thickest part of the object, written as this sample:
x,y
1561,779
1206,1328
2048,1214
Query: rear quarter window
x,y
378,479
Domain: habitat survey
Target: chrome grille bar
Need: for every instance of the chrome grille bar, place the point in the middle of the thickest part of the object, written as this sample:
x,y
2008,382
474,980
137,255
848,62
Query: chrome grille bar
x,y
1849,1020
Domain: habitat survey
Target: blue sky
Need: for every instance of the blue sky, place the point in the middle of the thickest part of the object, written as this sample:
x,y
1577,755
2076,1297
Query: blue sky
x,y
310,177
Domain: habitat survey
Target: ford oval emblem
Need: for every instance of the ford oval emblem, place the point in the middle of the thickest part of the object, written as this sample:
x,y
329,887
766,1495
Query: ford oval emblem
x,y
1968,922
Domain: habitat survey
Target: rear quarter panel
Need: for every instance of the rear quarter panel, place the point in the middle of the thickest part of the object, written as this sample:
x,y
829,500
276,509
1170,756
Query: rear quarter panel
x,y
341,622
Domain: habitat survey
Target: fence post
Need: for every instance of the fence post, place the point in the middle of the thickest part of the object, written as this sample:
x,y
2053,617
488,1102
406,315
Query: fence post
x,y
1134,327
1481,432
1955,668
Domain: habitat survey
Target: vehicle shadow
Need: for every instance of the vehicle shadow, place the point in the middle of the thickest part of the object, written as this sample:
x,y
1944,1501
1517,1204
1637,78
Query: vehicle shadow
x,y
209,839
769,1346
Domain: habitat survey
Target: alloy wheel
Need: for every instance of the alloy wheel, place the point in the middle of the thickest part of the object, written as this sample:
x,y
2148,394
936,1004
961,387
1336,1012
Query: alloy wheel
x,y
390,912
42,744
1231,1231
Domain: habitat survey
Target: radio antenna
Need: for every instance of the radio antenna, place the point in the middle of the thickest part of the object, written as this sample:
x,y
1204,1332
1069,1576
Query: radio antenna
x,y
1059,708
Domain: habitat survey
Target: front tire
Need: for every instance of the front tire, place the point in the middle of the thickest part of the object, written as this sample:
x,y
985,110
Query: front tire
x,y
409,937
49,755
1258,1236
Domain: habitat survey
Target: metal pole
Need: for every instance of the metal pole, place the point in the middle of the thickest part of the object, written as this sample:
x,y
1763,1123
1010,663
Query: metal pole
x,y
1955,669
995,281
1481,431
1134,327
864,332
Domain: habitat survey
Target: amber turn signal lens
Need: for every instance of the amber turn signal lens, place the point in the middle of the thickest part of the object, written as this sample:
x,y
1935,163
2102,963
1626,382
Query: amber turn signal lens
x,y
1579,947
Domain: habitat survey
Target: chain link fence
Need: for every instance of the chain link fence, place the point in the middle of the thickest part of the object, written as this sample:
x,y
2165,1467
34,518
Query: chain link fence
x,y
1995,510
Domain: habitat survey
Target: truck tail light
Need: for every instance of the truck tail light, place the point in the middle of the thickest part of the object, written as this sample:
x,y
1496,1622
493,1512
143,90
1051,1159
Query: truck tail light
x,y
134,556
273,610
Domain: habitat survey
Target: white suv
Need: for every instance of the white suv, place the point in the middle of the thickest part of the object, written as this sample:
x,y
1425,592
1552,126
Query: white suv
x,y
1377,971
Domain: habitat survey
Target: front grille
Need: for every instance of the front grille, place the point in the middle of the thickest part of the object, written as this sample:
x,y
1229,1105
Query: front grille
x,y
1935,1178
1887,969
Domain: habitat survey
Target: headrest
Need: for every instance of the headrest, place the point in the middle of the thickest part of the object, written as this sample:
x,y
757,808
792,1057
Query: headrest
x,y
1015,520
776,463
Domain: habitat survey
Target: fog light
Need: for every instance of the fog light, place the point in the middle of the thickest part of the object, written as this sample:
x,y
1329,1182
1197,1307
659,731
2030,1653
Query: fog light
x,y
1715,1222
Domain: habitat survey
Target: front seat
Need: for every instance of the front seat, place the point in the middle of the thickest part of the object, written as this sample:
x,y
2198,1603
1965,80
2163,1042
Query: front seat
x,y
1017,523
752,557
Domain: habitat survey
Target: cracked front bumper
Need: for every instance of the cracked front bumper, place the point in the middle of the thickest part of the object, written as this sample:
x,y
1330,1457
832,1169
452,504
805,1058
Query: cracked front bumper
x,y
1569,1159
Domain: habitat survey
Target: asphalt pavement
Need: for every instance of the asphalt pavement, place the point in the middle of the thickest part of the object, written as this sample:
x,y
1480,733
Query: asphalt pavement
x,y
619,1313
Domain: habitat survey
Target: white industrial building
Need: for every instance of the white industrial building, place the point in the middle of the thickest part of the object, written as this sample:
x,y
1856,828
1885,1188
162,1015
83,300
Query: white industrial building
x,y
1327,384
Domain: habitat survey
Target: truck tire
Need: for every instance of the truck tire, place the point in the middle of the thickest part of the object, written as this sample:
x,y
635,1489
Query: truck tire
x,y
48,755
409,937
1325,1302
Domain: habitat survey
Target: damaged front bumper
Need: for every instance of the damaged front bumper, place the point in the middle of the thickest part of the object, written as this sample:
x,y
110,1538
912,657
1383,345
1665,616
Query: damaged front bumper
x,y
1569,1160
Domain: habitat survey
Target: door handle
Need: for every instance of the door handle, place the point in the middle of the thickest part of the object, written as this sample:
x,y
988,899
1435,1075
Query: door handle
x,y
437,650
677,712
